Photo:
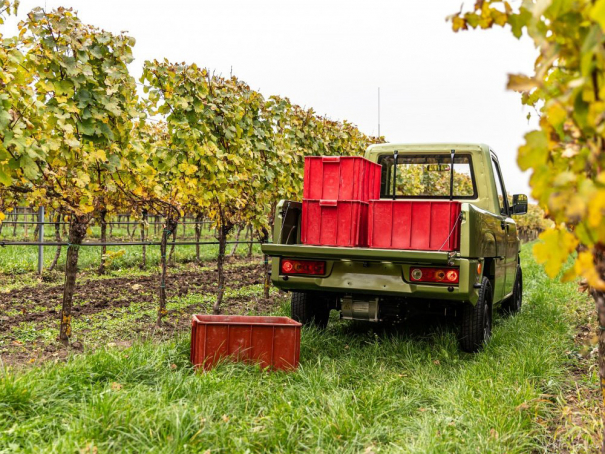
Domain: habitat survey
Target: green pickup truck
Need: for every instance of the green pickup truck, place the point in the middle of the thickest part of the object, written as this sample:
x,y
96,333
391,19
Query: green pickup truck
x,y
440,240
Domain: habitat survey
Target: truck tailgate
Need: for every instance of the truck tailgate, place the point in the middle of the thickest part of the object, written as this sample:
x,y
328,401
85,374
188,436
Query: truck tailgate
x,y
347,253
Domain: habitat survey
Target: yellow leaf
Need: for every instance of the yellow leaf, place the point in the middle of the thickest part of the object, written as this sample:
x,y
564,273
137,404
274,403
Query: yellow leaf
x,y
458,23
596,209
520,82
556,115
575,208
100,155
499,17
564,178
585,267
190,169
554,249
2,216
569,275
597,13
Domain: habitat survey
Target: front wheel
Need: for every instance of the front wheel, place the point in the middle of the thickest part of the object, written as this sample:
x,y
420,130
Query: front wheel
x,y
476,326
310,308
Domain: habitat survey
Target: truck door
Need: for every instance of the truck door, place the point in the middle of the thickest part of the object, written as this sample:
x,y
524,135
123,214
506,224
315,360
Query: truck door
x,y
506,265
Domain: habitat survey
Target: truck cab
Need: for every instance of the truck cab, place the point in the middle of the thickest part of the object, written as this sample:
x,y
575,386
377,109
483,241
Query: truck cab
x,y
439,239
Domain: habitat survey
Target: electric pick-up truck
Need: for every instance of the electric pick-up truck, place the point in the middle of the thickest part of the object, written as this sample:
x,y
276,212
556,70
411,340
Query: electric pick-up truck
x,y
440,239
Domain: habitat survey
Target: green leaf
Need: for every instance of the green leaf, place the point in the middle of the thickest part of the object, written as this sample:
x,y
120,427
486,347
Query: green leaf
x,y
5,176
86,127
535,150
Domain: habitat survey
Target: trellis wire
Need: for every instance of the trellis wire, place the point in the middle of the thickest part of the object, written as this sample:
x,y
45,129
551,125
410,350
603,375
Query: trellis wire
x,y
41,243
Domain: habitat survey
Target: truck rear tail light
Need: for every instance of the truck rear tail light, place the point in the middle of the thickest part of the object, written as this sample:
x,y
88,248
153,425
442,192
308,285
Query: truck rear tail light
x,y
309,267
439,275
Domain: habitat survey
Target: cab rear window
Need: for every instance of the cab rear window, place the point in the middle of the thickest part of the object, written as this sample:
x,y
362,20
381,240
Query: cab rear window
x,y
427,176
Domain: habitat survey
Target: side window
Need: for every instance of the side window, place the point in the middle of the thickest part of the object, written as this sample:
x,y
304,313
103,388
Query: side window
x,y
502,202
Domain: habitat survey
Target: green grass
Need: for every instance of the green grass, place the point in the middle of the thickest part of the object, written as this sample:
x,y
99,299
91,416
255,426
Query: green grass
x,y
357,390
24,259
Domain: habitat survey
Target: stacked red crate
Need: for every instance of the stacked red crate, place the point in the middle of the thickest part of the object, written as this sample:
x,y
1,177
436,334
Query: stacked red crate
x,y
336,193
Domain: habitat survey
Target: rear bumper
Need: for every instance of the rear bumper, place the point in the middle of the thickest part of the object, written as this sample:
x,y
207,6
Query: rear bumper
x,y
379,272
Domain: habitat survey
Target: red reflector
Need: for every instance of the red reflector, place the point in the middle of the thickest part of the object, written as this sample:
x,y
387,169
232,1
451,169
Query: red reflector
x,y
312,267
440,275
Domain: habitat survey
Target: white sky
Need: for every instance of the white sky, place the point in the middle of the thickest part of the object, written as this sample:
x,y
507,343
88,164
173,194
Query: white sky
x,y
332,55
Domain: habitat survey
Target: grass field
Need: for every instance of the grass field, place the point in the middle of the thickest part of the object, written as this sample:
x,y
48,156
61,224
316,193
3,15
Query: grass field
x,y
359,388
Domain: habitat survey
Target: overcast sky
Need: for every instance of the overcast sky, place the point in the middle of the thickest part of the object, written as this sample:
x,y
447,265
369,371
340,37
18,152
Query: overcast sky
x,y
436,86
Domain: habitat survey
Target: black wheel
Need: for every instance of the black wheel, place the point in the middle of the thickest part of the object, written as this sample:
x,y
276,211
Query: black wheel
x,y
310,308
513,303
477,320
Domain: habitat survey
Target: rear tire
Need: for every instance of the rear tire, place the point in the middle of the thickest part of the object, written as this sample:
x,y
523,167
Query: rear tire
x,y
476,326
310,308
512,305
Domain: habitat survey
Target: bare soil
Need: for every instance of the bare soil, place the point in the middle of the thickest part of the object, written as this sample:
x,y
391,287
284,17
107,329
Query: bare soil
x,y
37,307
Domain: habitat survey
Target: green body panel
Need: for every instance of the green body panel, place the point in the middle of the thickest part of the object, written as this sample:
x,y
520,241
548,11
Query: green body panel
x,y
486,237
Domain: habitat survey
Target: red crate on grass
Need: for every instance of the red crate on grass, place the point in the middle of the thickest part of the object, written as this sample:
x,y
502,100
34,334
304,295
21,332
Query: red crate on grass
x,y
416,225
341,178
271,341
334,223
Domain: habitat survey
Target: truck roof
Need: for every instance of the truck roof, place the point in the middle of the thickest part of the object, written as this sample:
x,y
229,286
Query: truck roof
x,y
473,148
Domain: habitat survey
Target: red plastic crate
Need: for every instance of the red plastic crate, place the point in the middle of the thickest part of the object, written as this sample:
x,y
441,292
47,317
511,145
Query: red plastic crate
x,y
341,178
334,223
271,341
415,225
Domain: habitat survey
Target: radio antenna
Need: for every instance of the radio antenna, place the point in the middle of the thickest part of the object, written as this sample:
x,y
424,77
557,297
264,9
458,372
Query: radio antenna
x,y
378,111
395,155
453,152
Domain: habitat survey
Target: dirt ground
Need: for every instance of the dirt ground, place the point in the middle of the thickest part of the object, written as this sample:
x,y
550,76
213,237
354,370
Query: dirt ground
x,y
27,313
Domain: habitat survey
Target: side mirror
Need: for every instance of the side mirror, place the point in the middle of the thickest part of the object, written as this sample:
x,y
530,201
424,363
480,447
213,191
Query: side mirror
x,y
519,204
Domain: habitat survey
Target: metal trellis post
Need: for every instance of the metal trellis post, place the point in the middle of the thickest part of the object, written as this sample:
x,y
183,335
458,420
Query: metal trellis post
x,y
40,240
